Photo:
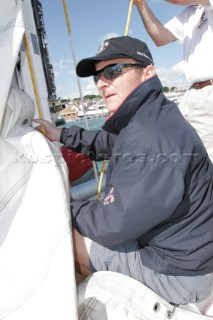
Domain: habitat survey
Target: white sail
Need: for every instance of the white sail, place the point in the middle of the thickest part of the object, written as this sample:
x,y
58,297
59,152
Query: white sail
x,y
11,33
37,279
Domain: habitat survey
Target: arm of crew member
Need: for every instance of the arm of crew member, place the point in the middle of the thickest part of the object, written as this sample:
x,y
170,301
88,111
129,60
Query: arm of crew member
x,y
159,34
143,196
97,143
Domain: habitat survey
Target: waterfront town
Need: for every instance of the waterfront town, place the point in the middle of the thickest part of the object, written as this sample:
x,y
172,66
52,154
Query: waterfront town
x,y
74,109
92,106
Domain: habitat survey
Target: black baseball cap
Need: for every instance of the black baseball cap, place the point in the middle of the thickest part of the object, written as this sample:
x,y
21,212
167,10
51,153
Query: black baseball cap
x,y
113,48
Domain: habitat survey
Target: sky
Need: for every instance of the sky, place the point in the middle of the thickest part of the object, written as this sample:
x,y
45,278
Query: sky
x,y
91,22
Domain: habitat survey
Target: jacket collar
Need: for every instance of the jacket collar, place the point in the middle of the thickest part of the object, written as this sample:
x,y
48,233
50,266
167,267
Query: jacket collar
x,y
131,104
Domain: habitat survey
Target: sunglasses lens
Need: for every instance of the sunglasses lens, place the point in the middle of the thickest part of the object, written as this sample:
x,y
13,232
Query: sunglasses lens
x,y
109,72
114,70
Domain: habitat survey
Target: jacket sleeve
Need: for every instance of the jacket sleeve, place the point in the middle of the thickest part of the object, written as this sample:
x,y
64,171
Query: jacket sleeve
x,y
97,144
141,196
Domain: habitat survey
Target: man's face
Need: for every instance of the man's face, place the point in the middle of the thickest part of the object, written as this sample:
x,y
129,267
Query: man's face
x,y
114,91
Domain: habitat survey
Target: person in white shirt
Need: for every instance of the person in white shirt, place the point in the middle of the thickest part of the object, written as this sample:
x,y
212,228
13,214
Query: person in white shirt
x,y
193,27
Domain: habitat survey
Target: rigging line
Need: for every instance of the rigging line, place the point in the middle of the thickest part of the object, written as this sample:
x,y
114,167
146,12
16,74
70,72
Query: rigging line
x,y
32,74
78,81
128,18
74,59
104,162
101,180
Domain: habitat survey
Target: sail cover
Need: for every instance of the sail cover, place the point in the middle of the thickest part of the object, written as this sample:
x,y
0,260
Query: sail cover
x,y
37,278
109,295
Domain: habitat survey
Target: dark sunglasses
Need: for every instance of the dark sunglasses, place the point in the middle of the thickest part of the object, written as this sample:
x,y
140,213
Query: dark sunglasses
x,y
112,71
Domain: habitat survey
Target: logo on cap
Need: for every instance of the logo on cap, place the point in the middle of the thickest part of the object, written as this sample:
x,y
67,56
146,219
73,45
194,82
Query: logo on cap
x,y
102,47
144,55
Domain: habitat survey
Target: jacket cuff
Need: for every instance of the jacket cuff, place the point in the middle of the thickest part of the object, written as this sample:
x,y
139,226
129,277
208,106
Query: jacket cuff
x,y
63,136
74,224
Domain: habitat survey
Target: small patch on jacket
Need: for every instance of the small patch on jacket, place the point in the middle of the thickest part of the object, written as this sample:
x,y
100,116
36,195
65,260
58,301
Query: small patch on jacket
x,y
110,198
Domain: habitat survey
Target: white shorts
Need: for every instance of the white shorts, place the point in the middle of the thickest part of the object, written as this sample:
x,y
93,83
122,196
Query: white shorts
x,y
197,107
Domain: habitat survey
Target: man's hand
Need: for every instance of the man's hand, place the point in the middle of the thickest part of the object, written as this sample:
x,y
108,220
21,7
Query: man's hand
x,y
52,133
139,3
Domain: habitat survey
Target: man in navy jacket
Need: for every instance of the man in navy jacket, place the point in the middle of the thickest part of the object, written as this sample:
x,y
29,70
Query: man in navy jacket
x,y
155,222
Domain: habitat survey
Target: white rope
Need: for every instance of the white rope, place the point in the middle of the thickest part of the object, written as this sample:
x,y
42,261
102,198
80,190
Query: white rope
x,y
78,80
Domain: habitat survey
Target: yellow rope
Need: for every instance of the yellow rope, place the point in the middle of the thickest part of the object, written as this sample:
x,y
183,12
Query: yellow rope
x,y
126,33
33,80
100,181
77,78
128,18
66,16
104,162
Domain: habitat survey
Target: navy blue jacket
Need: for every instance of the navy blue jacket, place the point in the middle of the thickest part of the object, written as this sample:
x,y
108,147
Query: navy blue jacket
x,y
159,187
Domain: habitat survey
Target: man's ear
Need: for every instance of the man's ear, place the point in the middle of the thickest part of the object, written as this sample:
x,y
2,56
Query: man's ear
x,y
149,71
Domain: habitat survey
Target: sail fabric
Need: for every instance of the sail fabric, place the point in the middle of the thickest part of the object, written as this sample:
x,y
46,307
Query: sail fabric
x,y
37,279
109,295
11,34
